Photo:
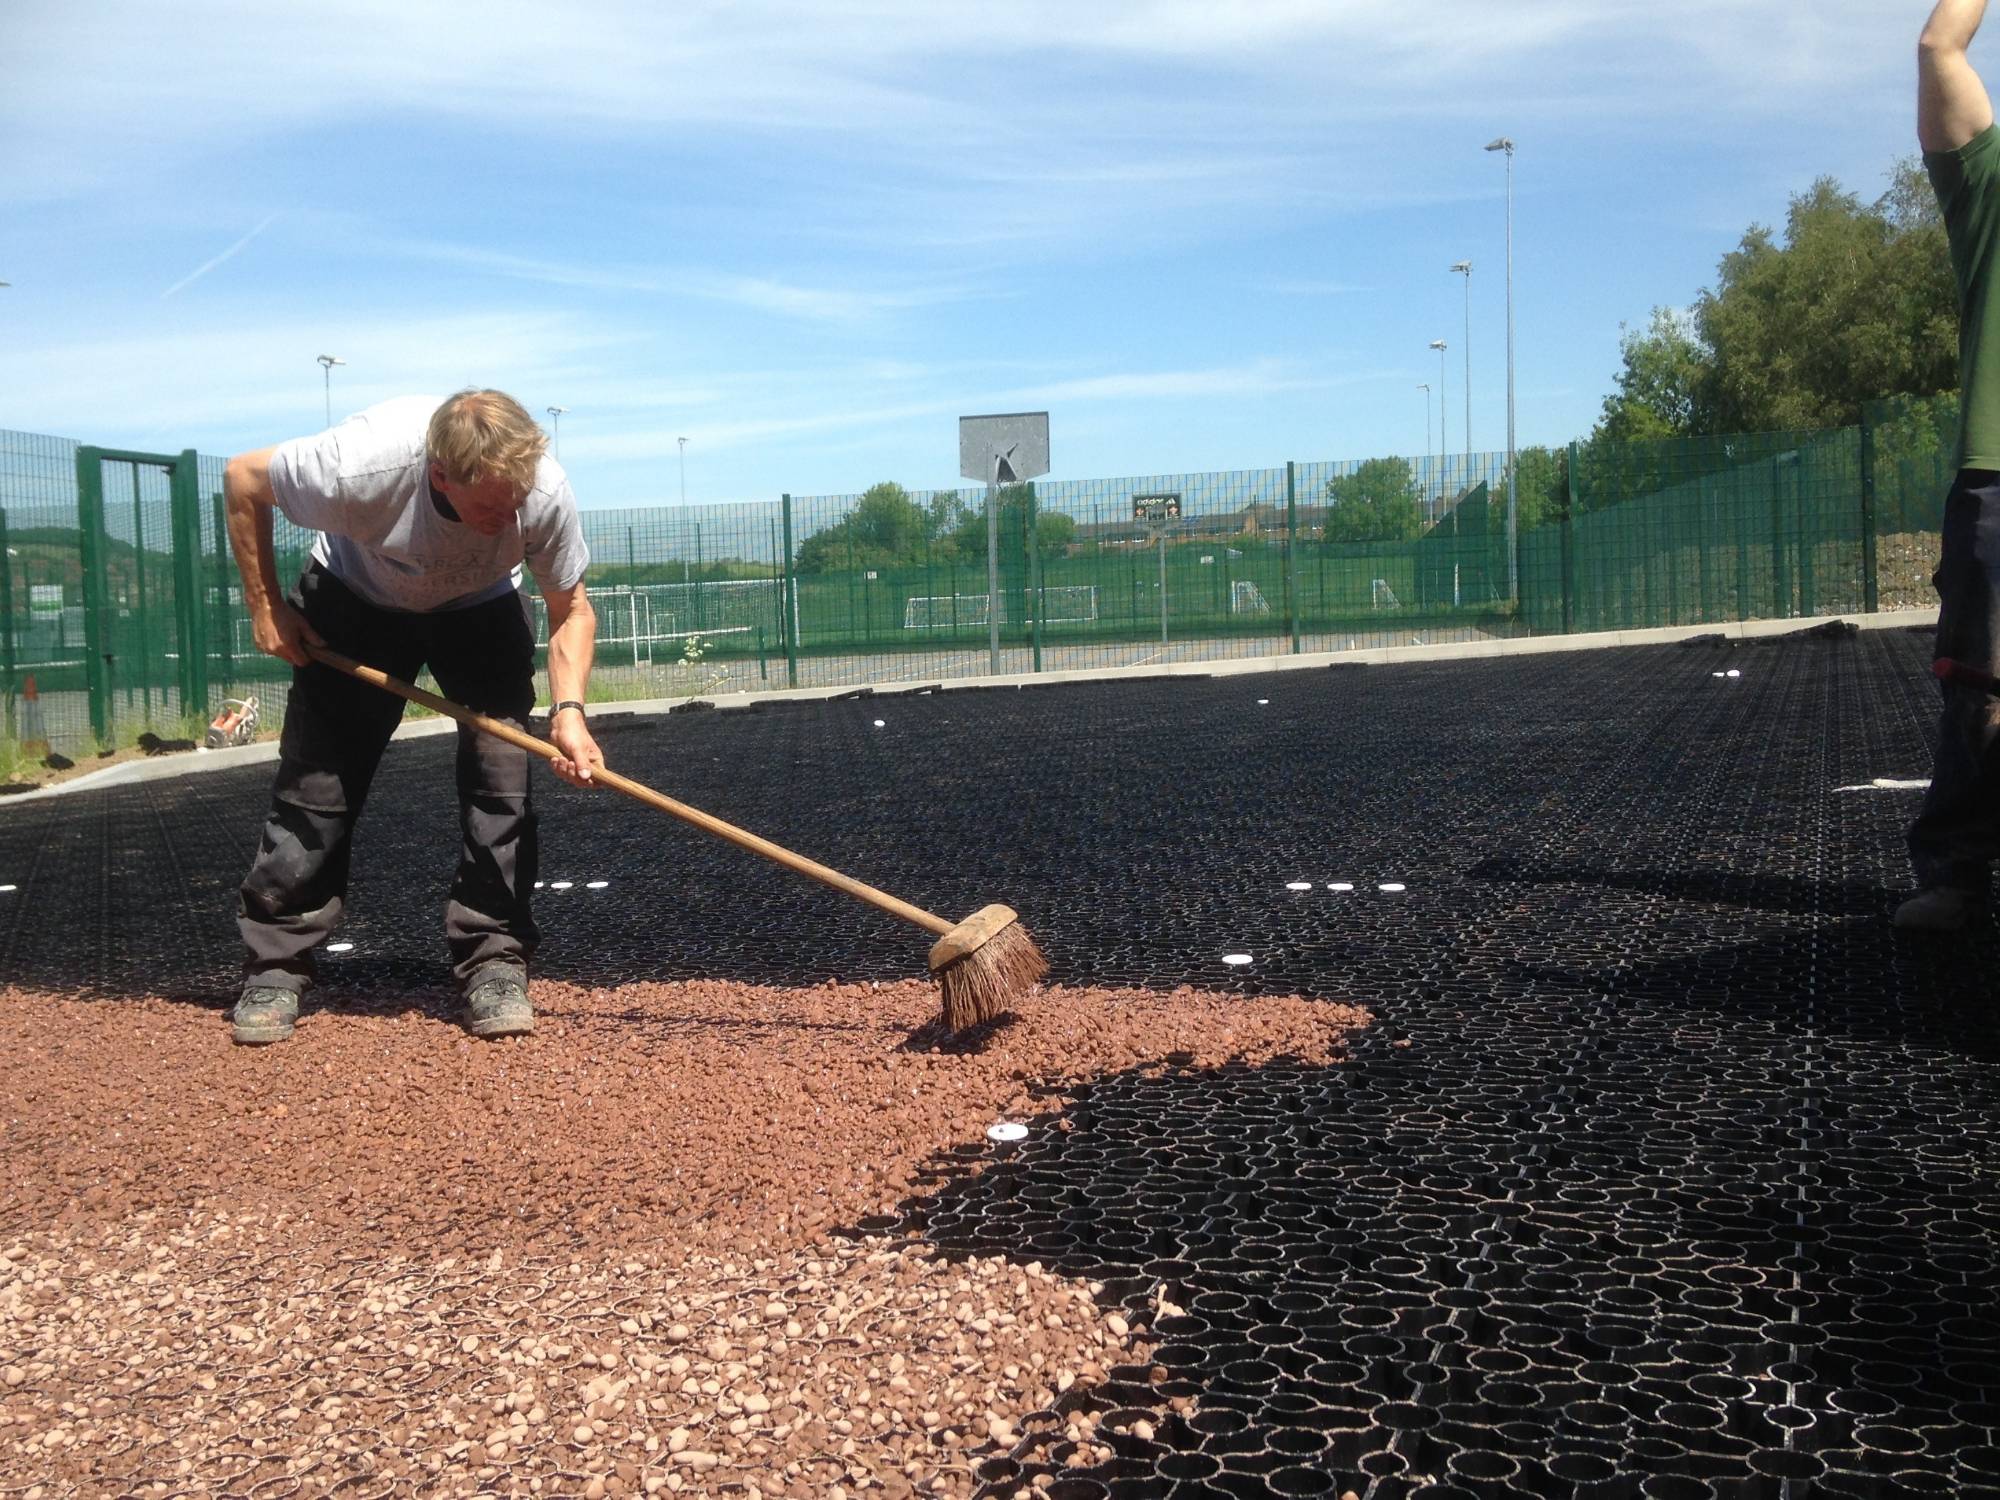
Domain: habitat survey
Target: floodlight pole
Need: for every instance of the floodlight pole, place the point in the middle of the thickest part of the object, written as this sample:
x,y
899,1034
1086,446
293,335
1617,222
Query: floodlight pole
x,y
555,429
684,469
1513,555
1464,268
326,363
1425,387
1444,434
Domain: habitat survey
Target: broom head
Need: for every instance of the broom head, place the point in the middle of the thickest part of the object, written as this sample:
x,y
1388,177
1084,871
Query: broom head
x,y
983,964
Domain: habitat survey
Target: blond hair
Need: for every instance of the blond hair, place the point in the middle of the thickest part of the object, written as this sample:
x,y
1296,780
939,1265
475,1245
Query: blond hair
x,y
480,435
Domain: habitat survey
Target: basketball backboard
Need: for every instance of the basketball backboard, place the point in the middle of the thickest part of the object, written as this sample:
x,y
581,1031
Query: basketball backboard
x,y
1019,441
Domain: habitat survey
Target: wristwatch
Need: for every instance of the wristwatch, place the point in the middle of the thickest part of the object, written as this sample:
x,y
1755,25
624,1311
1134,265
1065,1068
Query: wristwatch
x,y
566,703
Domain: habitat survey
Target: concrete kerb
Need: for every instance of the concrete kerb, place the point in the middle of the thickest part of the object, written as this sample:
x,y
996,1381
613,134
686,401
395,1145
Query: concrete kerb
x,y
199,761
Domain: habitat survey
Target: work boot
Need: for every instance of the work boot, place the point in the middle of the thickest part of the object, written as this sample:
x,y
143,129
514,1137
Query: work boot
x,y
1939,908
264,1013
498,1006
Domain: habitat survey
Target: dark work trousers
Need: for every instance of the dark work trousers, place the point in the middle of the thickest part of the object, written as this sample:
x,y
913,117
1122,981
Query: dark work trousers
x,y
335,732
1957,834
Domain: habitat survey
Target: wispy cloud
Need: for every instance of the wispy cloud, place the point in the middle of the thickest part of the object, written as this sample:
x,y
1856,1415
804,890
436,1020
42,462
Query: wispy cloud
x,y
791,299
209,265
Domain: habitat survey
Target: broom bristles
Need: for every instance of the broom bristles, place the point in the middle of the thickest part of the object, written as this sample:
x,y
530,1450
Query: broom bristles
x,y
980,985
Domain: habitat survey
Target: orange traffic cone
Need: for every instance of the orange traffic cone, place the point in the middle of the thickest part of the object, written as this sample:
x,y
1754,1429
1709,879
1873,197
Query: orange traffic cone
x,y
34,734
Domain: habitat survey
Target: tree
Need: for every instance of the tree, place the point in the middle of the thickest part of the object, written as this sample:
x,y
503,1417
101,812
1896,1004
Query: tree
x,y
886,529
1053,530
1856,303
1541,490
1662,384
1376,503
943,512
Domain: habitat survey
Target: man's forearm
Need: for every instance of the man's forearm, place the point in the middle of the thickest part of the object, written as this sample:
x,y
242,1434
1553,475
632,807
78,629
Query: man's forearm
x,y
1952,25
572,648
250,538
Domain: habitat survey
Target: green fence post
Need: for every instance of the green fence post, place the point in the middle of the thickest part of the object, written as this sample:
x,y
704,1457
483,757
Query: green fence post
x,y
1740,525
1035,573
145,652
1804,534
1704,532
225,638
1870,585
1291,552
189,614
90,547
1569,544
1781,578
6,611
789,594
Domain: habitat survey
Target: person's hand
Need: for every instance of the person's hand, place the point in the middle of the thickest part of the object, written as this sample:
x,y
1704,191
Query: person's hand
x,y
282,631
580,756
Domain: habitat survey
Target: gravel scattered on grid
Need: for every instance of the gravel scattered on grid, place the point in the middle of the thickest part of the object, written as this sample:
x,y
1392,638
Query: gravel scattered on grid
x,y
597,1261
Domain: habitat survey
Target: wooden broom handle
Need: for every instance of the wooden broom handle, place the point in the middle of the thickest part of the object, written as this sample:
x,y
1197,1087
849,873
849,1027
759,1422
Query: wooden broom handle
x,y
638,791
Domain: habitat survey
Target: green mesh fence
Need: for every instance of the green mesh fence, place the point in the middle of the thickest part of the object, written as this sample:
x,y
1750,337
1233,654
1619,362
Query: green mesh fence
x,y
1694,531
891,585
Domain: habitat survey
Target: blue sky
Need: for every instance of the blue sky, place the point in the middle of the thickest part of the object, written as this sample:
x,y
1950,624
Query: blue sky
x,y
807,237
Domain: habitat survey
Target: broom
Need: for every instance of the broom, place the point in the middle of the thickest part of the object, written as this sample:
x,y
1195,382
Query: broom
x,y
981,964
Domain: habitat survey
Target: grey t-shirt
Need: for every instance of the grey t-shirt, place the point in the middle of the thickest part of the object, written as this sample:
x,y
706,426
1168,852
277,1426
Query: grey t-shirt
x,y
364,486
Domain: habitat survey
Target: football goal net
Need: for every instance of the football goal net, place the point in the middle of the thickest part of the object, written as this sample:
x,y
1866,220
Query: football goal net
x,y
949,611
1381,596
1245,598
1067,604
658,619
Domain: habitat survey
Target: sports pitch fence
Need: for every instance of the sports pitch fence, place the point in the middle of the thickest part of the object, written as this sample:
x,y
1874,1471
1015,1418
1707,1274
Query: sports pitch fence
x,y
119,600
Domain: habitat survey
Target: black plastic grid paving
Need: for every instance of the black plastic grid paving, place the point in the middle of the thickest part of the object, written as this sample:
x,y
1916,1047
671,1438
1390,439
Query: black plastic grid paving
x,y
1668,1170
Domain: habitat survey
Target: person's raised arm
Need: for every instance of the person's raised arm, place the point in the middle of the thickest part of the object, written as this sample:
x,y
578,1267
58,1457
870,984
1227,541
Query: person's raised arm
x,y
1952,104
247,502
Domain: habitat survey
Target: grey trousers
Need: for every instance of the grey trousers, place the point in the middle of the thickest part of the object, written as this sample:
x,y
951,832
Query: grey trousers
x,y
334,734
1956,836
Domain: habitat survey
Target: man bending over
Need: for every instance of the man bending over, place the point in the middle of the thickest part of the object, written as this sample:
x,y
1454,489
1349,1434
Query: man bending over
x,y
426,514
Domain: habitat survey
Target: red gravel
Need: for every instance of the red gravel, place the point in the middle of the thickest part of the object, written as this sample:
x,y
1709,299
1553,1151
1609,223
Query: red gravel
x,y
369,1256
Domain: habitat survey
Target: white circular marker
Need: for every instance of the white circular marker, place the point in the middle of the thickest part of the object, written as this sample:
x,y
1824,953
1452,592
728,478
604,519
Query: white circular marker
x,y
1718,674
1298,885
539,884
1236,960
562,885
1007,1130
340,947
1389,886
595,885
1263,701
1734,673
879,723
8,888
1340,885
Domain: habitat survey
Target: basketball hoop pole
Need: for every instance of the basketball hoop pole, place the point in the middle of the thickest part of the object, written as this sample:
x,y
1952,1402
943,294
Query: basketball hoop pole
x,y
1009,446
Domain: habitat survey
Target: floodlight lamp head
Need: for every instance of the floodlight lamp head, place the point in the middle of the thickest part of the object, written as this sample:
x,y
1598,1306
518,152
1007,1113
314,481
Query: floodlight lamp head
x,y
1438,344
1503,144
1463,265
329,361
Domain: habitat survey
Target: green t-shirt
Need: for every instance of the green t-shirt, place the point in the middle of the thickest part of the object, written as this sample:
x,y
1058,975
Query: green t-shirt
x,y
1967,183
